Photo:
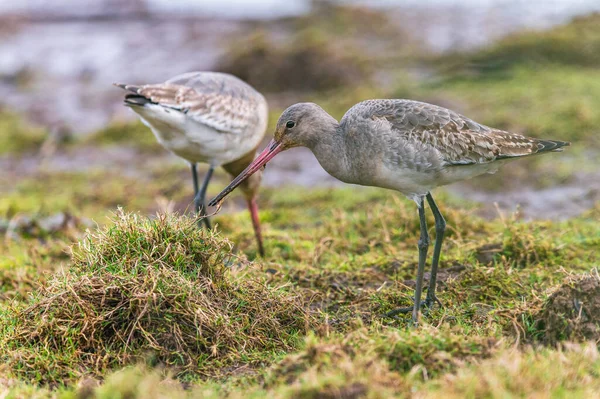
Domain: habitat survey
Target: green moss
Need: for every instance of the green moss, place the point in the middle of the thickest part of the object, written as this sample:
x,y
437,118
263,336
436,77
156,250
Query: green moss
x,y
155,290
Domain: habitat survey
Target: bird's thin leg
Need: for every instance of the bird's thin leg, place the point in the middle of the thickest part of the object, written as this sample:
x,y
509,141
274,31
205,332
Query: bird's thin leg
x,y
440,228
200,198
423,246
253,208
196,188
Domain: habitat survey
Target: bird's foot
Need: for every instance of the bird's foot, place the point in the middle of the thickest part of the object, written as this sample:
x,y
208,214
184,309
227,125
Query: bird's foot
x,y
206,222
431,300
428,303
203,220
405,310
201,214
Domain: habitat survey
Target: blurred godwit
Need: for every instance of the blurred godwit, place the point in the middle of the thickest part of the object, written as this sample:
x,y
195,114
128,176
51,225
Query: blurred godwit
x,y
207,117
403,145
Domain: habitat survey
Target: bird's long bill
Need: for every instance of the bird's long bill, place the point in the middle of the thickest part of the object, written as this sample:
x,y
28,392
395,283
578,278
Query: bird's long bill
x,y
268,153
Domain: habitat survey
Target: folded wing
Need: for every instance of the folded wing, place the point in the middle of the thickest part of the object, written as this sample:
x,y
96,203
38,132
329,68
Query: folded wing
x,y
220,101
457,139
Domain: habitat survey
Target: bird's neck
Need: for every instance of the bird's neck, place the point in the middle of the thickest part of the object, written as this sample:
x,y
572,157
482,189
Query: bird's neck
x,y
330,151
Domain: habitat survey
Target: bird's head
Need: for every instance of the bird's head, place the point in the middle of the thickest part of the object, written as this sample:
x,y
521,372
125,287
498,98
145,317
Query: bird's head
x,y
299,126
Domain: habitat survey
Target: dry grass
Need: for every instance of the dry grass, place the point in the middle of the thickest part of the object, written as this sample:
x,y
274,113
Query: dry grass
x,y
159,290
570,372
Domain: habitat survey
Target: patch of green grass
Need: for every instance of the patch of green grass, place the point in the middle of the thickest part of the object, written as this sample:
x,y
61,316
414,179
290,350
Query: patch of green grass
x,y
93,193
344,255
352,254
155,290
569,372
25,266
332,369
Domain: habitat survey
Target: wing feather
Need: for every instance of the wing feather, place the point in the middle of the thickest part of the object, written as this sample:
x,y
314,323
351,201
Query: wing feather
x,y
457,139
220,101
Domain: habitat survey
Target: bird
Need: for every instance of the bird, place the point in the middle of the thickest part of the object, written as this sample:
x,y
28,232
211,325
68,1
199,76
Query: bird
x,y
404,145
206,117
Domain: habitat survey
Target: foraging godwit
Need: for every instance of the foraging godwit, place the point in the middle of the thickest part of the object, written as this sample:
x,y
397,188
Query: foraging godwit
x,y
408,146
207,117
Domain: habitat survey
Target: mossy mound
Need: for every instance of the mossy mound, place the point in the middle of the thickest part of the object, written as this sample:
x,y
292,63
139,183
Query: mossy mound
x,y
155,290
573,311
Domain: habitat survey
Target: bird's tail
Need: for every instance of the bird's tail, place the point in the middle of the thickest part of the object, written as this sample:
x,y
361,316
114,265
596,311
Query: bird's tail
x,y
133,98
551,145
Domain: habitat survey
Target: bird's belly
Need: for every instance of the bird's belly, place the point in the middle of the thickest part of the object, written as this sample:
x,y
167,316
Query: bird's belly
x,y
410,182
415,183
452,174
194,141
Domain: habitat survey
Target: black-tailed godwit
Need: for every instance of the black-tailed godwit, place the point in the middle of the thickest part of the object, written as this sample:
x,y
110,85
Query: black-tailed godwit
x,y
206,117
408,146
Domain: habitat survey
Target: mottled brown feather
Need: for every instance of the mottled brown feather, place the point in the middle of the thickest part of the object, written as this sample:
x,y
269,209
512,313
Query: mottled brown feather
x,y
458,139
205,97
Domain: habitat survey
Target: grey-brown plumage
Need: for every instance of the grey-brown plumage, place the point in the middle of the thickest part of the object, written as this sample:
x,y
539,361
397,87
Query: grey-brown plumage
x,y
404,145
458,139
206,117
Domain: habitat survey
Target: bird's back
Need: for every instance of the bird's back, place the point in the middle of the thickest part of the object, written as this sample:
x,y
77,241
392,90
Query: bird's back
x,y
227,100
202,116
456,139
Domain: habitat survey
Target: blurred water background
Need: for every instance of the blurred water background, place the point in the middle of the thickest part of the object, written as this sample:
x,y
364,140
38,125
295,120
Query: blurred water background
x,y
67,52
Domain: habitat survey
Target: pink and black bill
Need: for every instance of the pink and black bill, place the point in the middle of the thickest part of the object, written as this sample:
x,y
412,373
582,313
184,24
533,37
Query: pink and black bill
x,y
268,153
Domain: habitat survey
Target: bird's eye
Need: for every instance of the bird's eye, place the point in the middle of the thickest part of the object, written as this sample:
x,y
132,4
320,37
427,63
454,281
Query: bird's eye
x,y
290,124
